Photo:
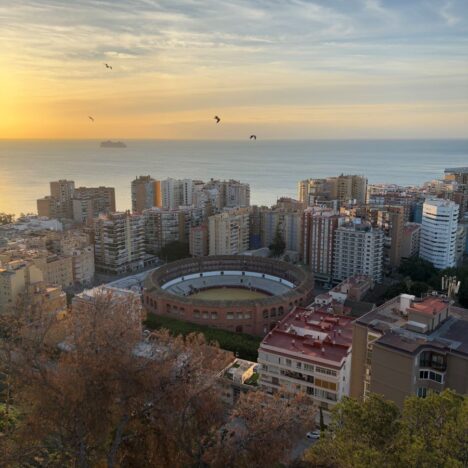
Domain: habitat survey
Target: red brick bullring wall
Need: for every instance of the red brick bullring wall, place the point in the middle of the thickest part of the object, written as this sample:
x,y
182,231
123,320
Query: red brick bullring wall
x,y
254,316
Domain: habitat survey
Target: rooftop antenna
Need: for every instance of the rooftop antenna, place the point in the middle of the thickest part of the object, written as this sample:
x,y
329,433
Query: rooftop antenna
x,y
451,285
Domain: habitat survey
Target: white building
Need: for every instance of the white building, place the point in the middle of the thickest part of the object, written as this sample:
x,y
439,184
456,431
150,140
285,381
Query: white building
x,y
358,251
309,351
439,232
176,192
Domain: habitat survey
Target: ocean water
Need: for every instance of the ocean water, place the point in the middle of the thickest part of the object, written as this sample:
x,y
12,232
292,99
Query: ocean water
x,y
272,168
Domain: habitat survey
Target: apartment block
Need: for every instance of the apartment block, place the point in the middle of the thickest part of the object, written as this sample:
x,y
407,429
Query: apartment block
x,y
308,351
119,242
229,232
56,269
89,202
164,226
317,243
15,277
410,346
344,188
410,240
198,241
145,193
439,232
287,222
358,250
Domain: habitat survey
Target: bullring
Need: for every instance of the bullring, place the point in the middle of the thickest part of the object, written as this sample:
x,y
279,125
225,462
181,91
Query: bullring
x,y
237,293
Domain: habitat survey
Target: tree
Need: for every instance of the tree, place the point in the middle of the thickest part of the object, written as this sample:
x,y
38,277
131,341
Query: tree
x,y
261,431
175,250
418,288
6,218
434,431
279,245
395,290
429,432
103,393
417,269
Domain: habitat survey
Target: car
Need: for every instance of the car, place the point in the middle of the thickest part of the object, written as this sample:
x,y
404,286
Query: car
x,y
313,435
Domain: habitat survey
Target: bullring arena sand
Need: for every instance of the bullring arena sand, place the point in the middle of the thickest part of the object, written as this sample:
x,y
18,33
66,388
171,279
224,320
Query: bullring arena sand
x,y
228,294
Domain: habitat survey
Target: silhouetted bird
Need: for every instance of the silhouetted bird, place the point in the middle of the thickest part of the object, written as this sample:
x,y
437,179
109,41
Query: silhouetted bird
x,y
253,137
90,118
108,66
217,119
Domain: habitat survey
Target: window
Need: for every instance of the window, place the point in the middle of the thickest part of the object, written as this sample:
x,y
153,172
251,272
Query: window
x,y
247,315
265,314
230,315
288,362
422,392
309,367
299,365
323,370
214,315
431,375
239,315
196,313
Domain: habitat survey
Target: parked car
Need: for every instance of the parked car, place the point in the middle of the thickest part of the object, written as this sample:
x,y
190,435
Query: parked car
x,y
313,435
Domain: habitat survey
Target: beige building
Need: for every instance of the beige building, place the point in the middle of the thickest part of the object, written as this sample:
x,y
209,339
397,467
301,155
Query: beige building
x,y
56,269
397,224
410,240
239,377
198,241
410,346
229,232
47,207
145,193
15,277
90,202
119,242
344,188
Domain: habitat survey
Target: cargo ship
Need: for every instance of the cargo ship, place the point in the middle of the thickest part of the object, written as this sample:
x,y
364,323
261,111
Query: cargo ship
x,y
113,144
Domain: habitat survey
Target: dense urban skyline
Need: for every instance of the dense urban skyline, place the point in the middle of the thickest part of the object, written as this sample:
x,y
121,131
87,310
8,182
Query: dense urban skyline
x,y
292,69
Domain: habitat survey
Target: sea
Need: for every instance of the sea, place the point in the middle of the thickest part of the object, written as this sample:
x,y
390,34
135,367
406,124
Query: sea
x,y
272,167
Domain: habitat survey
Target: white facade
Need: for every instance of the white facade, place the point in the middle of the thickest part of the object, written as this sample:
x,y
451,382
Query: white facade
x,y
358,251
176,192
439,232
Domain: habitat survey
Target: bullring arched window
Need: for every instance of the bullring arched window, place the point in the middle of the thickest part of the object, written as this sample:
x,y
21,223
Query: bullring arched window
x,y
265,314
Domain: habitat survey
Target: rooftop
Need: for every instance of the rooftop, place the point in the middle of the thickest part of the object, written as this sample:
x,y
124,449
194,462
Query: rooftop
x,y
313,334
395,320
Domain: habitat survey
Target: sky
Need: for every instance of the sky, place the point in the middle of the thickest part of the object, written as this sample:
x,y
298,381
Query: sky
x,y
281,69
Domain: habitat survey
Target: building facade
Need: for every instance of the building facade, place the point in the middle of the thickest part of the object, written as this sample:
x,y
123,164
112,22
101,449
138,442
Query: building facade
x,y
439,232
119,242
358,250
309,351
410,346
229,232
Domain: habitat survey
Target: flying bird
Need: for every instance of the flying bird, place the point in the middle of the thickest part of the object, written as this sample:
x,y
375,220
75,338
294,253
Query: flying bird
x,y
253,137
217,119
108,66
91,118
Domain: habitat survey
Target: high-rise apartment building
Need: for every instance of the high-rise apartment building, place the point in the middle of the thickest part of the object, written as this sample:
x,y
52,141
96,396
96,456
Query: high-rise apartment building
x,y
358,250
89,202
164,226
59,204
318,236
145,194
119,242
410,346
62,191
410,240
175,193
198,241
439,232
229,232
288,223
397,224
